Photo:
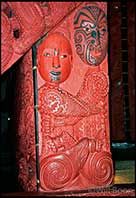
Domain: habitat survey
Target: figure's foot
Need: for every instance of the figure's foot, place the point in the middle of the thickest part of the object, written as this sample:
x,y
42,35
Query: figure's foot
x,y
58,171
98,169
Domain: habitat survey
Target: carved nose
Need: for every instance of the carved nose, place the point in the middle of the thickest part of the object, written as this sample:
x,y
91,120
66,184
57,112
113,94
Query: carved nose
x,y
56,62
56,66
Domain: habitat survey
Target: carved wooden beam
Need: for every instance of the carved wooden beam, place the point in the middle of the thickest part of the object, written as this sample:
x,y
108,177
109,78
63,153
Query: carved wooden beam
x,y
23,23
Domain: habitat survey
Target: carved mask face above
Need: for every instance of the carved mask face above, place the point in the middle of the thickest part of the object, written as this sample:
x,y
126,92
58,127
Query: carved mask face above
x,y
90,36
55,58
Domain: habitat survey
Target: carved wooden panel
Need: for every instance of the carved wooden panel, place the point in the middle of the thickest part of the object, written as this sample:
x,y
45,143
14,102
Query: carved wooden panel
x,y
25,22
7,40
24,124
19,31
73,87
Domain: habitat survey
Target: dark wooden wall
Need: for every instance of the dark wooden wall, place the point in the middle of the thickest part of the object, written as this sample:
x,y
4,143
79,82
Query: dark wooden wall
x,y
131,65
121,18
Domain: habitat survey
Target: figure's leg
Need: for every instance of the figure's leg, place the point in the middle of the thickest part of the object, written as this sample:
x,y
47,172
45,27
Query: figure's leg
x,y
59,171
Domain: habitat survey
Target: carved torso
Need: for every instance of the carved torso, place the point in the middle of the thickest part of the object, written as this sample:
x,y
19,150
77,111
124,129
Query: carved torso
x,y
59,112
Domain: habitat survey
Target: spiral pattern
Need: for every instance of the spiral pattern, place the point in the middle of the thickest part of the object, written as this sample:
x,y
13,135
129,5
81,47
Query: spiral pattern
x,y
97,83
90,25
79,36
99,169
50,100
56,172
79,50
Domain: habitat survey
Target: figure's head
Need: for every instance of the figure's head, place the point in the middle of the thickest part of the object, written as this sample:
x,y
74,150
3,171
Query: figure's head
x,y
90,36
55,58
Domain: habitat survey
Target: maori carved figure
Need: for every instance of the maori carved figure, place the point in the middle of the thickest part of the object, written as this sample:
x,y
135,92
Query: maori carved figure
x,y
55,62
59,111
65,153
90,36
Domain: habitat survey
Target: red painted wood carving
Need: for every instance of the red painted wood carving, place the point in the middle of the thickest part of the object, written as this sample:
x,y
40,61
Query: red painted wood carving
x,y
73,121
7,40
25,126
73,86
90,25
23,23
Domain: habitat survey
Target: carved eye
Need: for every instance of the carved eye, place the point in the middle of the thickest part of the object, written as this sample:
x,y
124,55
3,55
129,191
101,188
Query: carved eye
x,y
87,29
63,56
47,54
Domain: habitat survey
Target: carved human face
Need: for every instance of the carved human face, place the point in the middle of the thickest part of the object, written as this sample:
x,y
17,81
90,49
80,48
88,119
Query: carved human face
x,y
55,58
90,36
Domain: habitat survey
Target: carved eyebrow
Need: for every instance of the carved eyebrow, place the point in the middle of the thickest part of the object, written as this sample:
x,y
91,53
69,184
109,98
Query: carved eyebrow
x,y
80,14
85,23
48,50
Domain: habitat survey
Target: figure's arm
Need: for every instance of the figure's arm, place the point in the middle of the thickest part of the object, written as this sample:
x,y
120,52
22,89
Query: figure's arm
x,y
65,105
62,108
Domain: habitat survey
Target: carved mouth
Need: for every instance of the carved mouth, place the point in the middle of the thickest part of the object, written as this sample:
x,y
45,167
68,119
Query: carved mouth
x,y
55,76
55,73
90,58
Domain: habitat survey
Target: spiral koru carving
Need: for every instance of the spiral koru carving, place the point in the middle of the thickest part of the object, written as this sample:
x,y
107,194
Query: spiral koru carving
x,y
99,169
51,100
97,83
90,37
56,172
